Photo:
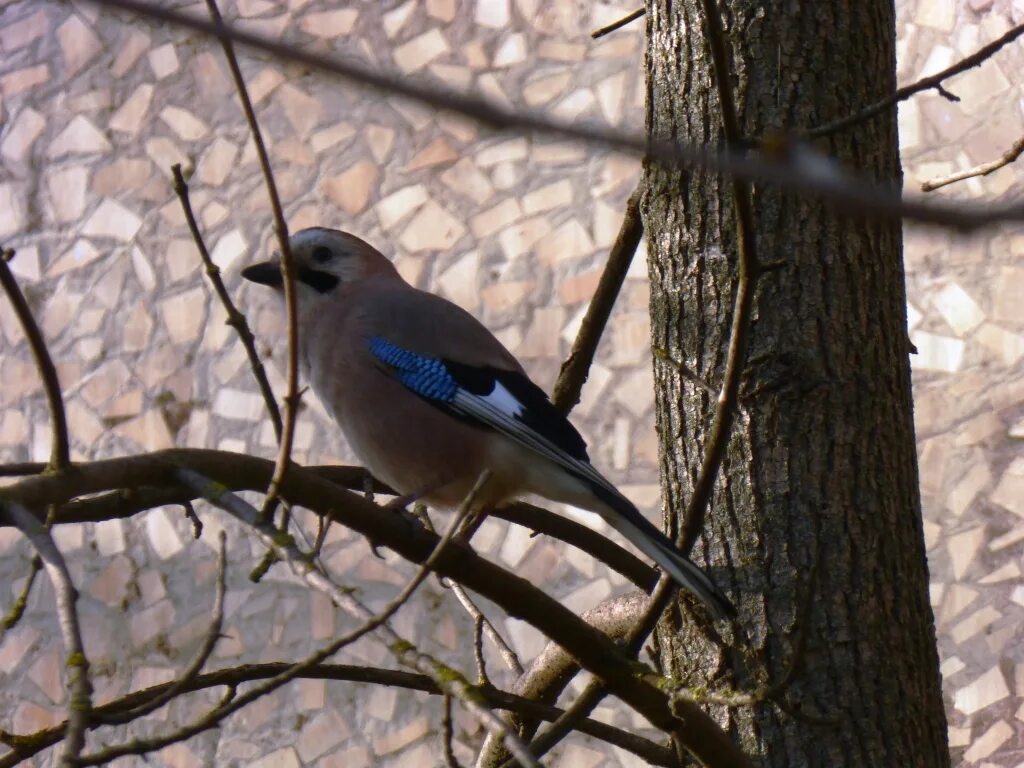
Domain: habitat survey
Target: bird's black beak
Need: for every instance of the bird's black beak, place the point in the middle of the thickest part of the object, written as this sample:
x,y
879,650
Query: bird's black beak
x,y
265,273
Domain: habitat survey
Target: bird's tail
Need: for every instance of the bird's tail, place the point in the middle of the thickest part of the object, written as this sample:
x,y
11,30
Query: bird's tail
x,y
620,513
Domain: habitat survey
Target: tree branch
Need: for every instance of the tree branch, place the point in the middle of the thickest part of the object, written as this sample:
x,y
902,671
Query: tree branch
x,y
401,533
574,371
979,170
60,452
76,663
25,746
615,25
853,196
235,318
924,84
291,399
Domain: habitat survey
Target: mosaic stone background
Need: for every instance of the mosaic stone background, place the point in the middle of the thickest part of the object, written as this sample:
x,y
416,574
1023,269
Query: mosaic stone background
x,y
96,106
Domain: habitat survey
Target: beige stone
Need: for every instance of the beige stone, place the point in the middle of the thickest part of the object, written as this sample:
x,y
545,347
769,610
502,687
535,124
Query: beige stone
x,y
129,116
79,255
351,190
542,337
432,228
466,179
501,297
111,585
394,21
301,110
330,24
417,53
459,281
380,138
129,51
984,691
184,123
438,151
78,45
67,187
24,79
323,733
570,241
1007,347
442,10
12,209
24,130
331,137
121,175
80,137
495,218
136,329
519,238
505,151
217,162
985,745
399,204
165,154
541,89
579,288
555,195
112,219
164,61
183,315
17,34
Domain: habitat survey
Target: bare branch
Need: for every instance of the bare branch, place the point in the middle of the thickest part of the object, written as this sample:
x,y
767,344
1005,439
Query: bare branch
x,y
235,318
574,371
291,399
450,681
979,170
609,28
76,663
408,538
17,609
448,734
924,84
25,746
118,504
60,452
213,634
846,192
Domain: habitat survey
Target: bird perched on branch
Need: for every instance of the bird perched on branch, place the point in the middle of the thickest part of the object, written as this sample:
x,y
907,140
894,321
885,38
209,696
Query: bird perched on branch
x,y
428,398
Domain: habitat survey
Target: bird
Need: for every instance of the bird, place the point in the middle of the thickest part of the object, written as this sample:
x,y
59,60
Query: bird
x,y
429,399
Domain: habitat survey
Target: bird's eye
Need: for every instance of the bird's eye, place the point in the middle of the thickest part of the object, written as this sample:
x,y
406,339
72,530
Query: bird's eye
x,y
322,254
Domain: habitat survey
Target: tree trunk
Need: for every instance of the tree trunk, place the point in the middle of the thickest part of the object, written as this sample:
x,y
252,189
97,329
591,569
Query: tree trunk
x,y
820,476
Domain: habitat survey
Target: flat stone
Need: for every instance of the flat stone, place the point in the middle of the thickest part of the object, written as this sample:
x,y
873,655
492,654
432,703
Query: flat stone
x,y
331,137
438,151
17,34
24,79
433,228
501,215
958,309
350,190
164,61
396,206
330,24
67,188
112,219
986,690
380,138
163,537
184,123
217,162
301,110
129,51
80,137
417,53
24,131
129,116
936,353
184,314
78,45
466,179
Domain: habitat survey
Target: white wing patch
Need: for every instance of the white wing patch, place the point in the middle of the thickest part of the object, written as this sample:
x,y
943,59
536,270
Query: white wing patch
x,y
503,400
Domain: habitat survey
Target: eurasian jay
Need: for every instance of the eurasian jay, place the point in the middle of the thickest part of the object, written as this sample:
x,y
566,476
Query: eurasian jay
x,y
428,398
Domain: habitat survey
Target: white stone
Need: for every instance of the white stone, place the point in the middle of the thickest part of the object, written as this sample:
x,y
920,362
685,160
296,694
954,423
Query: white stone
x,y
398,205
936,353
162,535
492,13
420,51
112,219
228,249
984,691
24,130
958,309
80,137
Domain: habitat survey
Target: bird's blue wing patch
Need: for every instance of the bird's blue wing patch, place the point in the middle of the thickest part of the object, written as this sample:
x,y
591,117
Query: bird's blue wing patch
x,y
426,376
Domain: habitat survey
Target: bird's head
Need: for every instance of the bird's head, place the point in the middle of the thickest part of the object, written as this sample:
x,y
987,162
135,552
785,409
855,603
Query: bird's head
x,y
324,261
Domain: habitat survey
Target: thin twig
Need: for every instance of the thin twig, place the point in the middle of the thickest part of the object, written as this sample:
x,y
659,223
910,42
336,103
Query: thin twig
x,y
478,651
291,399
574,371
235,318
480,621
76,662
408,539
213,634
448,734
848,193
60,452
979,170
924,84
17,609
405,652
26,745
608,28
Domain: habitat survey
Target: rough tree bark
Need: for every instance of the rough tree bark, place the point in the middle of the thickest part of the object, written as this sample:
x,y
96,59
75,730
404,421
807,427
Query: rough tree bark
x,y
821,467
